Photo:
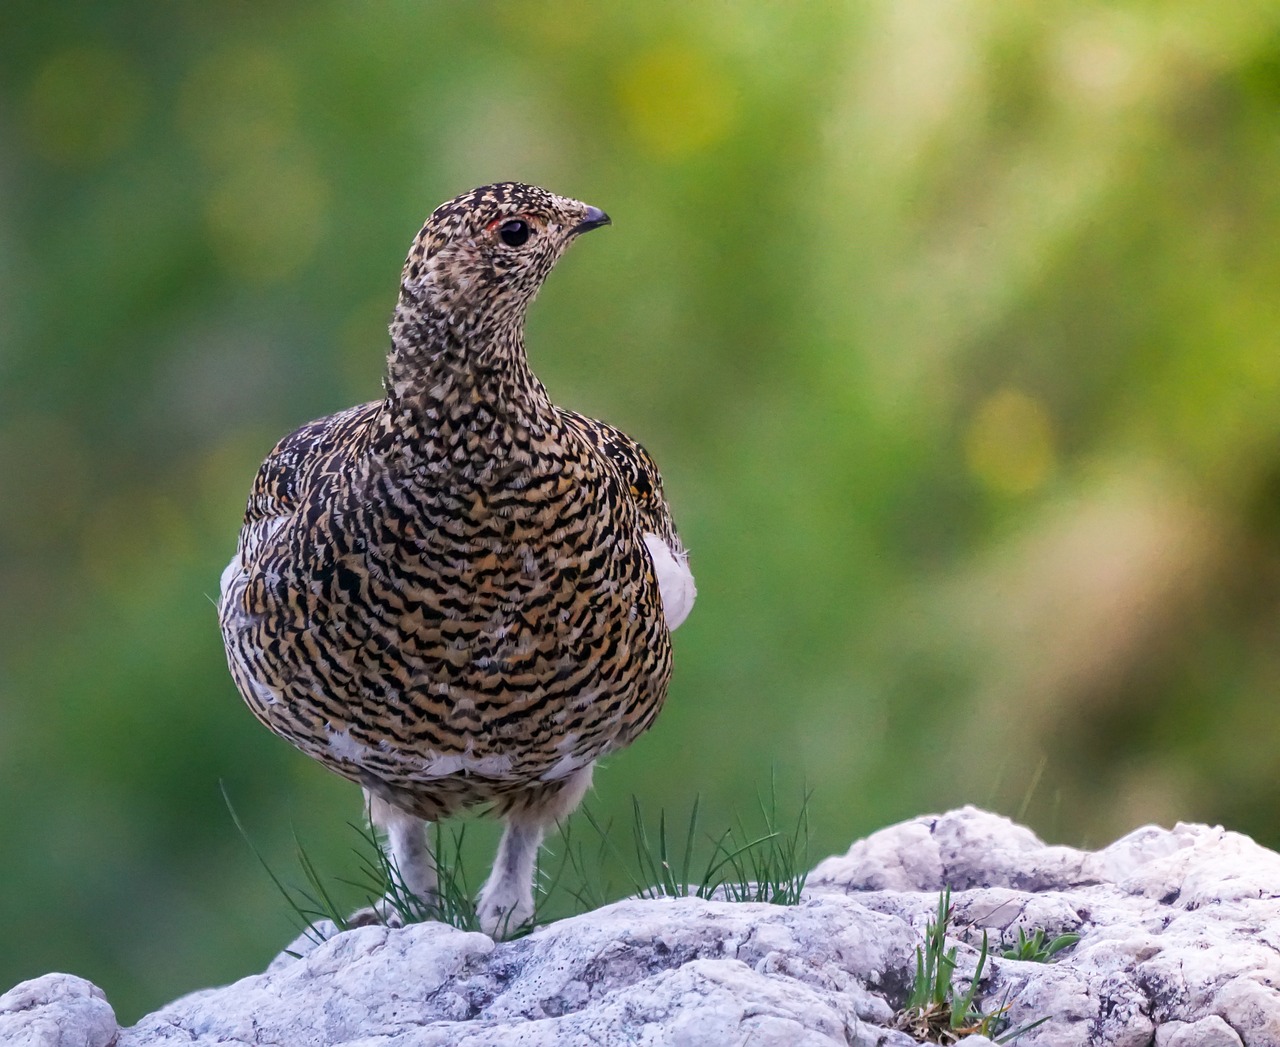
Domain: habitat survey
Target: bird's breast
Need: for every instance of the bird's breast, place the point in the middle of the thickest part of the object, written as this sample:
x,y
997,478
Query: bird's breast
x,y
492,622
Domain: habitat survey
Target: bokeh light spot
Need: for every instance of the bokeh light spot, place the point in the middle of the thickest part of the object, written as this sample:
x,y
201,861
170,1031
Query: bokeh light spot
x,y
265,219
83,105
675,101
1010,446
242,99
265,214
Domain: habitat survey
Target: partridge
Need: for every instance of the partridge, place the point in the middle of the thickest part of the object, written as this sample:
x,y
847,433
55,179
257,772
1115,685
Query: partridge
x,y
461,595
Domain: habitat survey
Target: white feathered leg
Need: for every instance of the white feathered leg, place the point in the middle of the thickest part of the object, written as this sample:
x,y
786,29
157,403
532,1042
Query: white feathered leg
x,y
409,853
506,902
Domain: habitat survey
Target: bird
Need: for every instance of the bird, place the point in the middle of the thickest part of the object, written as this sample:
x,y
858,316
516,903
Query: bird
x,y
461,596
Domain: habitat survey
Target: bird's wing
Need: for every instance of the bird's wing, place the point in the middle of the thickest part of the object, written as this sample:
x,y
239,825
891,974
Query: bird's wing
x,y
323,447
643,482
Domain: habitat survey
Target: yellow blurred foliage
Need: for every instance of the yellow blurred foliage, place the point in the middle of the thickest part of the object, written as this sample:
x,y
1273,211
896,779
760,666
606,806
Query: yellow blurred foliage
x,y
83,105
1009,445
240,100
265,219
676,101
264,214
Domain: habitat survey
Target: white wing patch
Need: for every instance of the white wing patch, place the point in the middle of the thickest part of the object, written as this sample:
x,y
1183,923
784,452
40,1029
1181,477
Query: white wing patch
x,y
234,570
675,580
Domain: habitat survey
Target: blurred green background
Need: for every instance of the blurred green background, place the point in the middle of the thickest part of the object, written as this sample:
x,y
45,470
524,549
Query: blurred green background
x,y
953,326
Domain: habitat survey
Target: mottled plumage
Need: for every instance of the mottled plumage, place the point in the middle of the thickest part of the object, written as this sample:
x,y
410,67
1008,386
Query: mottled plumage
x,y
455,595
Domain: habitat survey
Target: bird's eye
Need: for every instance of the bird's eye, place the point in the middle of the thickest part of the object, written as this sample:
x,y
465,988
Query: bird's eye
x,y
515,232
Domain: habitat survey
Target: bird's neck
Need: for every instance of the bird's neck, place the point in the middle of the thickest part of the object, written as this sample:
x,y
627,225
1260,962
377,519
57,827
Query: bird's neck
x,y
460,390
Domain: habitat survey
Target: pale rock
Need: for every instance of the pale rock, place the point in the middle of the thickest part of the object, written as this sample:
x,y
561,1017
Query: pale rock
x,y
56,1010
1207,1032
1179,947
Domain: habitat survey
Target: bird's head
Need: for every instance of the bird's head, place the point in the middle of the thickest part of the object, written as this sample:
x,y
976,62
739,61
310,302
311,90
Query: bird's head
x,y
481,257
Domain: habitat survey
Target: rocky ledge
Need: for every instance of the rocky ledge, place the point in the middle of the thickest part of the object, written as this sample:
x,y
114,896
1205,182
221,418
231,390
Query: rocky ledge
x,y
1179,947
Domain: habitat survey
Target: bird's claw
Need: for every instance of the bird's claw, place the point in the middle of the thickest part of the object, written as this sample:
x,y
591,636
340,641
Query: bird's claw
x,y
389,911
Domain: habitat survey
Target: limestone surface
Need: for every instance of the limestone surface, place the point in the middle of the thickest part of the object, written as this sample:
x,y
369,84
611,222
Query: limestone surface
x,y
56,1010
1179,947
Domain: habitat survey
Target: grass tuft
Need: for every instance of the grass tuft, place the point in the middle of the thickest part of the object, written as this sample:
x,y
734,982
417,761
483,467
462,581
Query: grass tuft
x,y
738,864
377,884
1035,949
767,864
390,902
936,1010
772,868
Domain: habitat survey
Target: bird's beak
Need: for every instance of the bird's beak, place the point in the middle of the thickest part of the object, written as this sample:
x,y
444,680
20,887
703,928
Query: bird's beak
x,y
593,219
